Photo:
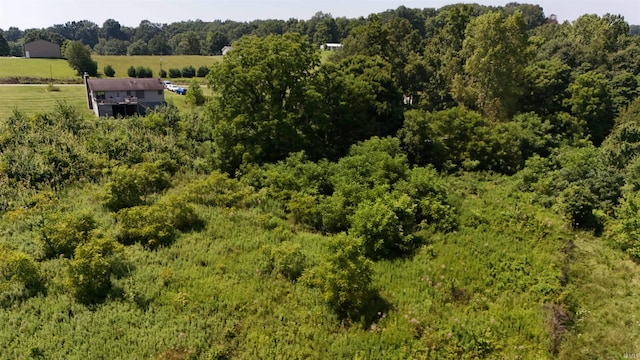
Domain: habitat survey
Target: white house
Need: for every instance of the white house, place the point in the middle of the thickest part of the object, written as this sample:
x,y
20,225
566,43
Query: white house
x,y
331,46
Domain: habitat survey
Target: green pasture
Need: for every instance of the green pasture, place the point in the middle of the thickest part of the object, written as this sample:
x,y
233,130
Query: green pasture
x,y
121,63
59,69
35,68
32,99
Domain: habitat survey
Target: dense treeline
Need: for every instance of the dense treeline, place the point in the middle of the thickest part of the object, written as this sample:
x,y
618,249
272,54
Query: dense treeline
x,y
426,192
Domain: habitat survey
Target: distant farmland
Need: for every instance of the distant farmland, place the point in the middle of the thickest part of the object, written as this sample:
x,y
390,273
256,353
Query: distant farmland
x,y
40,70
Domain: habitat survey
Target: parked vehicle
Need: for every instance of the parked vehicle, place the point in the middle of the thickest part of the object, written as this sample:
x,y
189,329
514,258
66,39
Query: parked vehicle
x,y
180,90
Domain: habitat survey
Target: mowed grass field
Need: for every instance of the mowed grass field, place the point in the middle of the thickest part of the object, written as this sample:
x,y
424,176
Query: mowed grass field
x,y
32,99
36,68
121,63
59,69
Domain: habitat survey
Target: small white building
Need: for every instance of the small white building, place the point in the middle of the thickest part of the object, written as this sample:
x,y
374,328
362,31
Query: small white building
x,y
123,97
225,50
330,46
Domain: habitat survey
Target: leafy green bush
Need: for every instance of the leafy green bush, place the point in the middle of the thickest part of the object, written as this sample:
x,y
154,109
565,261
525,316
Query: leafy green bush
x,y
175,73
194,94
188,71
131,71
577,203
625,228
109,71
63,232
144,72
156,225
163,73
286,259
202,71
19,276
127,186
385,225
343,277
218,189
88,275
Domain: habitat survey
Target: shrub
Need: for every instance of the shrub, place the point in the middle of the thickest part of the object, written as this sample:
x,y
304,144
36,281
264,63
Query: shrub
x,y
62,233
128,185
577,203
144,72
88,275
188,71
286,259
218,190
131,71
163,73
150,225
109,71
625,229
175,73
194,94
202,71
343,277
385,226
19,276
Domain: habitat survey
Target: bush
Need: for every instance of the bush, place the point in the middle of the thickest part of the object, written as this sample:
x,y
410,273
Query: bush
x,y
175,73
188,71
385,226
150,225
203,71
89,274
163,73
19,276
194,94
577,203
129,185
286,259
144,72
62,233
131,71
343,277
218,190
109,71
625,229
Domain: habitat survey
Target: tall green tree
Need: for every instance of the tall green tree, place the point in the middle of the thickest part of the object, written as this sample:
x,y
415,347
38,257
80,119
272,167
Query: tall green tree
x,y
262,92
590,100
4,46
79,58
493,75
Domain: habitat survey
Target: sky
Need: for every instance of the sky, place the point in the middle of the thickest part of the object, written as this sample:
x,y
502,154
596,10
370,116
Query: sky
x,y
26,14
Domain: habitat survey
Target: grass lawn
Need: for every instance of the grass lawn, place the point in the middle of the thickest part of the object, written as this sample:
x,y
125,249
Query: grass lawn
x,y
121,63
32,99
36,68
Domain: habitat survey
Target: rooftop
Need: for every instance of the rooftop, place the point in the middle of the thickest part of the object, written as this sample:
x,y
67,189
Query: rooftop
x,y
124,84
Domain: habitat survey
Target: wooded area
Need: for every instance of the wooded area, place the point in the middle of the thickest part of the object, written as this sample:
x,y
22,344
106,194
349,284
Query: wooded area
x,y
457,183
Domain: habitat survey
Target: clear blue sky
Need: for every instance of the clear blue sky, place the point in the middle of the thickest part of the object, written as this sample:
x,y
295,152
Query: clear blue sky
x,y
43,13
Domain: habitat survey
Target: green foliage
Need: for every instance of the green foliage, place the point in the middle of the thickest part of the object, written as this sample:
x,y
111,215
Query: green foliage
x,y
175,73
88,275
4,46
131,71
127,186
203,71
152,226
79,58
285,259
343,277
386,226
625,229
19,276
63,232
496,52
143,72
188,71
194,94
577,203
163,73
109,71
217,189
590,100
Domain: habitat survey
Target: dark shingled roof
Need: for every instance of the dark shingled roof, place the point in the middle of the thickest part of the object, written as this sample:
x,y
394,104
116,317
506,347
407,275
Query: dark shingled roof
x,y
124,84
